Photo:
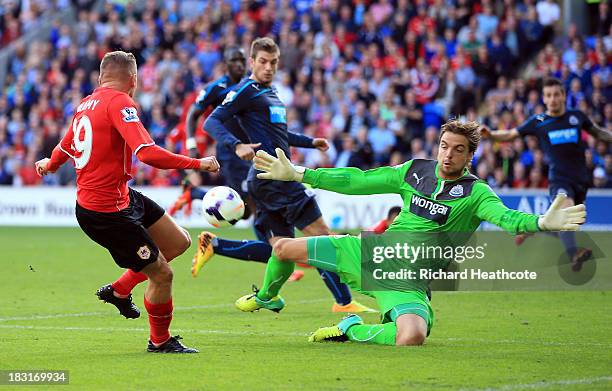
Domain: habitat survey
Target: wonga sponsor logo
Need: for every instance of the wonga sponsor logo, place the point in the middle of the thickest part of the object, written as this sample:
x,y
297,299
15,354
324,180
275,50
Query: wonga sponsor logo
x,y
278,115
429,209
563,136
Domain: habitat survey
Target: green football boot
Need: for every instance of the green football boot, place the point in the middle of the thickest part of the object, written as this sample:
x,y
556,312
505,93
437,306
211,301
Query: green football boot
x,y
250,302
336,333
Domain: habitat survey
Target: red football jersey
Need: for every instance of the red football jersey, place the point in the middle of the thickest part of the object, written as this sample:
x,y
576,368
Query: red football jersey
x,y
178,135
105,130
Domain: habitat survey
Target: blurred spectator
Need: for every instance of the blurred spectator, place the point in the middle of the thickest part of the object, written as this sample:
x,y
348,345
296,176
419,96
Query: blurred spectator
x,y
465,78
549,13
519,180
537,179
487,21
600,178
382,140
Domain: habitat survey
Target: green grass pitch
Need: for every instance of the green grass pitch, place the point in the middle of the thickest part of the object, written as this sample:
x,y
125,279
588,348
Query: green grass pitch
x,y
50,319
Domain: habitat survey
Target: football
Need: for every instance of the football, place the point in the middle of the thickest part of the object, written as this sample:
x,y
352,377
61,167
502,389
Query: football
x,y
222,206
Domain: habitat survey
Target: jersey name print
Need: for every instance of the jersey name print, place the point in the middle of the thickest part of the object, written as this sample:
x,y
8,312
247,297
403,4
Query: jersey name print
x,y
88,104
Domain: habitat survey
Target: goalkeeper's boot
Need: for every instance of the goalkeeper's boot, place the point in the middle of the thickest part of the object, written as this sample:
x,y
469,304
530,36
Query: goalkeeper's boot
x,y
582,255
352,307
251,302
336,333
125,305
170,346
204,253
184,198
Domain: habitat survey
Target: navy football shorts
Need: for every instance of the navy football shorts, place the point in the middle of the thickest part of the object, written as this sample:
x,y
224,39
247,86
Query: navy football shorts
x,y
575,191
281,207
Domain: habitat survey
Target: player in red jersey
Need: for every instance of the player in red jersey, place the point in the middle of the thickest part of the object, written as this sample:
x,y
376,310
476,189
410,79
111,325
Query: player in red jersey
x,y
139,235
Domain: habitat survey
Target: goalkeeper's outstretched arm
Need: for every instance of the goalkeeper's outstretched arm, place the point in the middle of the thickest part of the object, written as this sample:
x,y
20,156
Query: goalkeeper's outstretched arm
x,y
490,208
348,180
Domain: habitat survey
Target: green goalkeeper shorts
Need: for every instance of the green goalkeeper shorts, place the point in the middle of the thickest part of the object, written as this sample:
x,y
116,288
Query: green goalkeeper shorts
x,y
342,254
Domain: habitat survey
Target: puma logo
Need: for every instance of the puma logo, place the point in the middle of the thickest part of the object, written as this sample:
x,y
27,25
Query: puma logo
x,y
417,178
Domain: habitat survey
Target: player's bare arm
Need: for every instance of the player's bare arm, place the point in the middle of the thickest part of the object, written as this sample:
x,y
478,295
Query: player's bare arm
x,y
246,151
600,133
321,144
59,156
499,135
209,164
41,167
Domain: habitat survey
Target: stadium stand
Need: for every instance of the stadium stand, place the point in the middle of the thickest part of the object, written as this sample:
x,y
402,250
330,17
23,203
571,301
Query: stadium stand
x,y
375,77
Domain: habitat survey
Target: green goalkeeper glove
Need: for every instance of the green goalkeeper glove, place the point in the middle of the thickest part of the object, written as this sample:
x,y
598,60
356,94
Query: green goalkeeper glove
x,y
279,169
557,218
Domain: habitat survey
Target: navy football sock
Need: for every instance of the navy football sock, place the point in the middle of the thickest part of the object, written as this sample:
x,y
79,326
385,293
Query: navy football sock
x,y
197,193
248,250
341,292
568,238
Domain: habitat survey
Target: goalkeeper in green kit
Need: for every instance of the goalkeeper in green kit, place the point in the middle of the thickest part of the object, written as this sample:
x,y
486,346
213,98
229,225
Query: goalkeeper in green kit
x,y
439,196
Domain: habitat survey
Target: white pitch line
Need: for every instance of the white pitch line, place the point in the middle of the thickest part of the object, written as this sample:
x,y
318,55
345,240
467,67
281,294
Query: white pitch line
x,y
52,316
146,330
516,342
288,334
85,314
298,302
544,384
222,305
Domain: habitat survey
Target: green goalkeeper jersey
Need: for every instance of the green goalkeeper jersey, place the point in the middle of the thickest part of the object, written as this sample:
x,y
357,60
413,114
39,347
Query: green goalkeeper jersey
x,y
431,204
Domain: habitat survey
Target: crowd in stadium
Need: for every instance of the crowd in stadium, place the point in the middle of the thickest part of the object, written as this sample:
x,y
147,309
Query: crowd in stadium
x,y
378,78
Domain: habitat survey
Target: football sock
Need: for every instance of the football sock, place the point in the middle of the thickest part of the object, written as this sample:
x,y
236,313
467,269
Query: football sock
x,y
341,292
197,193
569,242
248,250
160,316
128,280
277,272
382,334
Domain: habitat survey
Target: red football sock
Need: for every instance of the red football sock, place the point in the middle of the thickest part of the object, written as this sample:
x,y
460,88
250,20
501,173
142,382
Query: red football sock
x,y
128,280
160,316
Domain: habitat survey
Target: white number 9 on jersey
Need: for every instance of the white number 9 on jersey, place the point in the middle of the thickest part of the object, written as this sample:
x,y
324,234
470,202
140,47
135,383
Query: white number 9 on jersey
x,y
83,148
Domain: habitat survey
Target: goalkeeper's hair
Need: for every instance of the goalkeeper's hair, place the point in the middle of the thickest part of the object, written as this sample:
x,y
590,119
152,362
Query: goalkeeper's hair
x,y
266,44
469,129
